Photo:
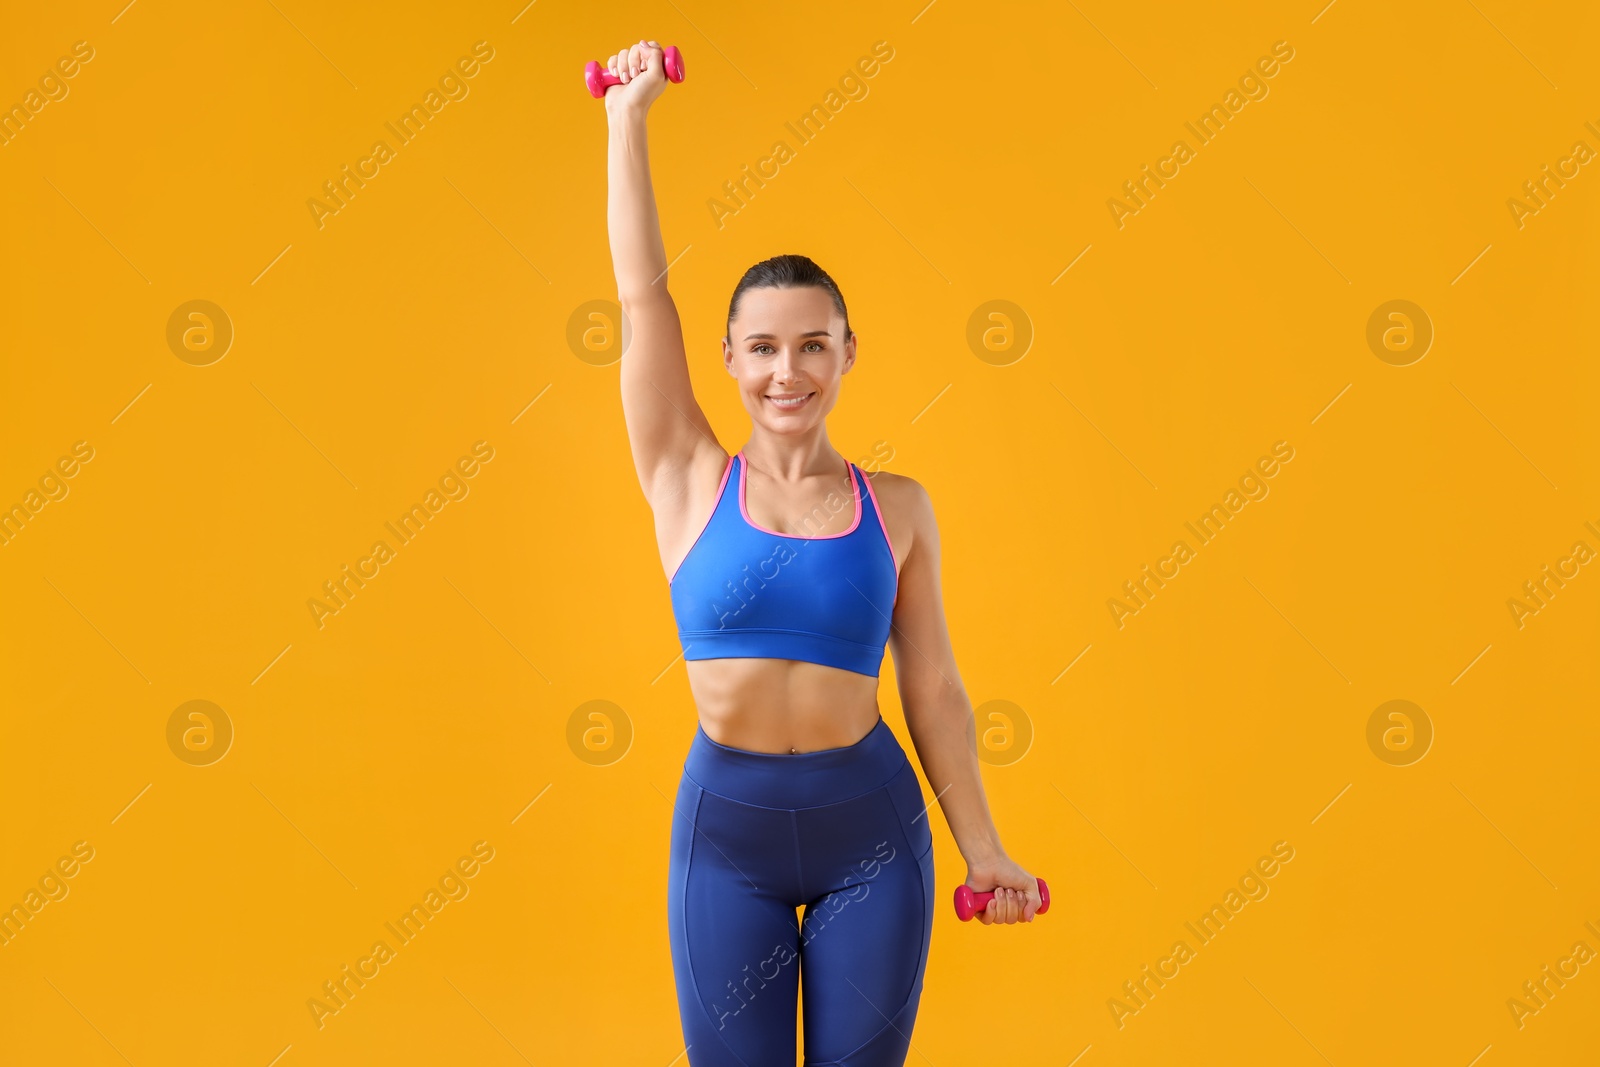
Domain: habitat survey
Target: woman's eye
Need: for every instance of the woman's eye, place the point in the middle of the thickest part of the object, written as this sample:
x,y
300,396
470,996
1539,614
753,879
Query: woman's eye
x,y
764,349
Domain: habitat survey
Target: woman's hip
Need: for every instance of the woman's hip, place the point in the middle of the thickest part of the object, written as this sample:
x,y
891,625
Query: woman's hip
x,y
797,826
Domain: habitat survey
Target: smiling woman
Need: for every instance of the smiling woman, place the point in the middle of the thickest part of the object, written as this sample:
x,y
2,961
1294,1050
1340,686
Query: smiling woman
x,y
791,574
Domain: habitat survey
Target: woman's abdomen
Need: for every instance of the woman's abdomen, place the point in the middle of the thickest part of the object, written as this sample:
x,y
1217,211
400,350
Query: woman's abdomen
x,y
773,705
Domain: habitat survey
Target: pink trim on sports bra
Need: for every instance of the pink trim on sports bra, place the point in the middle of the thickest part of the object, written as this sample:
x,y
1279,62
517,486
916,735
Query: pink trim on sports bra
x,y
855,491
884,526
727,468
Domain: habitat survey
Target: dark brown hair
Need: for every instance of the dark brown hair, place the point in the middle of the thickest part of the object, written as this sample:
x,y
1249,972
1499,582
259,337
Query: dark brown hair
x,y
787,272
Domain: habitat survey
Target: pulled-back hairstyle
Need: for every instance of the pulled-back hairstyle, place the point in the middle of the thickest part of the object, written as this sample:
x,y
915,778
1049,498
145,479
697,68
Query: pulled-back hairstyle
x,y
786,272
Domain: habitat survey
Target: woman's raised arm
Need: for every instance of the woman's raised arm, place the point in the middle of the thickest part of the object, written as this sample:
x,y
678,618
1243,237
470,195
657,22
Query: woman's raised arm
x,y
666,428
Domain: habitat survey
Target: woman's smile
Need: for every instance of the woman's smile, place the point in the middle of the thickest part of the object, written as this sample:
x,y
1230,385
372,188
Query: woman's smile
x,y
790,401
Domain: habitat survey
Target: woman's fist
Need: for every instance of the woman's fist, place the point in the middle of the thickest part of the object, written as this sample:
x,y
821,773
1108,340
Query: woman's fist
x,y
1016,892
642,70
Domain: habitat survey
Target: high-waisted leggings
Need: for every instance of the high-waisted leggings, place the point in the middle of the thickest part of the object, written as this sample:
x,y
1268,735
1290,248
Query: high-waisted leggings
x,y
842,833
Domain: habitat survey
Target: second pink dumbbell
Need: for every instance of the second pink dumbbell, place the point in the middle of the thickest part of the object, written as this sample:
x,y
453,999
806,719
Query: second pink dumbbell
x,y
599,79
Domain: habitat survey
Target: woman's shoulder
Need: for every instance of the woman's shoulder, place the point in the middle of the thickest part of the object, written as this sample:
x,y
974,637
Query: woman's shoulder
x,y
900,491
906,508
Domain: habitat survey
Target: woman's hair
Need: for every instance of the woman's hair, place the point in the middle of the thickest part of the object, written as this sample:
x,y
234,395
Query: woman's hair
x,y
786,272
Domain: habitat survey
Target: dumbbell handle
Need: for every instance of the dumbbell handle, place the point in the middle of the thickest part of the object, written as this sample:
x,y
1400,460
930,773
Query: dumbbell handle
x,y
969,903
599,79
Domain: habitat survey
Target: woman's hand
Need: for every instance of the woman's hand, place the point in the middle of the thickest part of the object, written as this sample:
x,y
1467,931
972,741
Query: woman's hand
x,y
1016,892
642,69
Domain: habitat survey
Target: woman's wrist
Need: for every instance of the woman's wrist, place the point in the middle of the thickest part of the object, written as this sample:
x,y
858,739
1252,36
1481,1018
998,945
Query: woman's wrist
x,y
625,114
982,851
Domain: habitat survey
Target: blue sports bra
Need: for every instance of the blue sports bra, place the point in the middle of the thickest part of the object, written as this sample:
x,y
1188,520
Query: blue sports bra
x,y
746,591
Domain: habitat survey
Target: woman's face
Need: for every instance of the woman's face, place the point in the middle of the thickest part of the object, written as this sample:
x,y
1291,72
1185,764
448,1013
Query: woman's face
x,y
788,344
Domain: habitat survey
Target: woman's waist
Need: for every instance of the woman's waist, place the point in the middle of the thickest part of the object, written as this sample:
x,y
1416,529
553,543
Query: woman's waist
x,y
800,779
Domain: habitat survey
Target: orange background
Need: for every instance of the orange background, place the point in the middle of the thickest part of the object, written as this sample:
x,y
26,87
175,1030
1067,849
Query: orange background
x,y
371,353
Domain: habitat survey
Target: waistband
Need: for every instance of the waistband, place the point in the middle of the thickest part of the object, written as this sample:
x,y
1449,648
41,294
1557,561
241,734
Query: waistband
x,y
798,779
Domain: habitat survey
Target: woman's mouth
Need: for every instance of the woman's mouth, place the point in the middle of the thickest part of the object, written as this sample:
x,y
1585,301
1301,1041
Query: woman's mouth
x,y
792,402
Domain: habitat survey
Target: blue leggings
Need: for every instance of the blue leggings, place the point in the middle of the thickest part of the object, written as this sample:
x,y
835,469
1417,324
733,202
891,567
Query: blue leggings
x,y
842,833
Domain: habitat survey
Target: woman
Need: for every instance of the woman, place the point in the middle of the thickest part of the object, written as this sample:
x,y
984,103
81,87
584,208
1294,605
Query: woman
x,y
795,792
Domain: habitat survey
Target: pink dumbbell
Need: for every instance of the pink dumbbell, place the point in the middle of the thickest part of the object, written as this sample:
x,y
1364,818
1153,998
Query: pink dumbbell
x,y
969,903
598,79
